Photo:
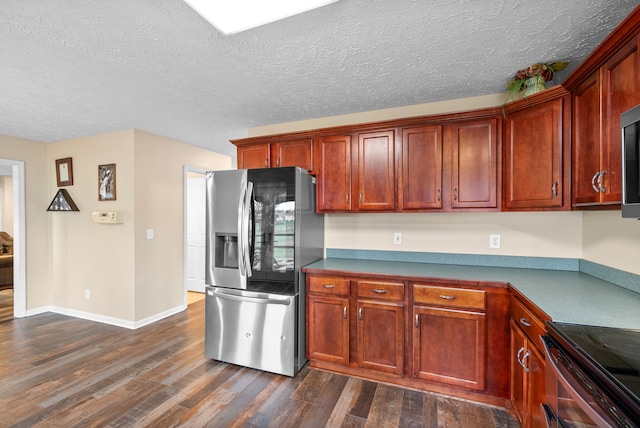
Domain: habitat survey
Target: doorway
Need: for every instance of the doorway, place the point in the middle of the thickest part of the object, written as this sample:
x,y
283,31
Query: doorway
x,y
194,230
15,170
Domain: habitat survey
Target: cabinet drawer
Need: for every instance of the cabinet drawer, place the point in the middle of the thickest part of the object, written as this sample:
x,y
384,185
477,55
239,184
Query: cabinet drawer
x,y
445,296
532,326
381,290
329,285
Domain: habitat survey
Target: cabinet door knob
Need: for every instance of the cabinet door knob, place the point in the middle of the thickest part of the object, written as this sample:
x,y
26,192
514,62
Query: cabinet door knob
x,y
266,163
600,186
417,315
360,313
346,197
277,161
360,197
344,313
439,196
554,189
455,194
593,181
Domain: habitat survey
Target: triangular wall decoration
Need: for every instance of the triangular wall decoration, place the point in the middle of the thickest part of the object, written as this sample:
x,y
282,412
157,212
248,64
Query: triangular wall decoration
x,y
62,202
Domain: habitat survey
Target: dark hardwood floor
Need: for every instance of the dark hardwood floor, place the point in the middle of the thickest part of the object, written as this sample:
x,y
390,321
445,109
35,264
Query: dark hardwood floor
x,y
58,371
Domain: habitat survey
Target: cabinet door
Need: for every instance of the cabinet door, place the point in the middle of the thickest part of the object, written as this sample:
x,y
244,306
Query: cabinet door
x,y
533,157
256,156
586,141
517,350
328,329
621,89
376,171
449,346
535,386
380,336
474,164
293,153
421,184
334,173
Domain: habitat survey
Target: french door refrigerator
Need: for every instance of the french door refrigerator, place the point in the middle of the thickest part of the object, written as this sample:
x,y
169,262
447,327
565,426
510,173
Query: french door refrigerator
x,y
261,228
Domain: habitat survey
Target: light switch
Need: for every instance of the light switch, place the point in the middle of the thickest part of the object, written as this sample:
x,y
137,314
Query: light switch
x,y
149,233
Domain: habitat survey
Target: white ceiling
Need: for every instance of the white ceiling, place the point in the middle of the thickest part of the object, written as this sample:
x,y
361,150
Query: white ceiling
x,y
71,68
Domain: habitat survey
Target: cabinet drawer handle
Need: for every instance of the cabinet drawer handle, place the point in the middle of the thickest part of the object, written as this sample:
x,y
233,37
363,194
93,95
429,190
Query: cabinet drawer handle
x,y
417,315
346,197
277,161
344,313
379,291
360,313
554,189
455,194
360,197
439,196
266,163
328,286
443,296
593,182
600,186
524,322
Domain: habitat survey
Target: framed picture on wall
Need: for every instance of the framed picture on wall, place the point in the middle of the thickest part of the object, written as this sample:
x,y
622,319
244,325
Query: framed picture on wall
x,y
107,182
64,172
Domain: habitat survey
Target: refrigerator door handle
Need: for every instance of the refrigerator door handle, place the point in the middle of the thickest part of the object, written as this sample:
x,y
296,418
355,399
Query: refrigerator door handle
x,y
246,229
241,238
265,301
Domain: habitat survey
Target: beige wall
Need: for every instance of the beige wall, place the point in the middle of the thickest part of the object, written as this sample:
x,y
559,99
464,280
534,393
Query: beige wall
x,y
34,156
611,240
86,255
129,277
159,205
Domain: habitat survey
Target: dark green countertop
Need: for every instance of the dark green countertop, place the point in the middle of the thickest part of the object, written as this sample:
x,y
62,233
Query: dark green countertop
x,y
566,296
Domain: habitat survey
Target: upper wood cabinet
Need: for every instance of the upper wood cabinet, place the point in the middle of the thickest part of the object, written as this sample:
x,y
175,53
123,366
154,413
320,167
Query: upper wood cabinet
x,y
475,160
333,188
537,152
368,158
598,100
298,152
450,167
420,184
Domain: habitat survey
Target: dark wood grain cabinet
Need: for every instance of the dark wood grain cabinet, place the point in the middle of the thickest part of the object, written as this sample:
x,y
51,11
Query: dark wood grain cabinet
x,y
527,364
537,152
380,331
333,188
450,167
328,319
598,102
449,335
297,152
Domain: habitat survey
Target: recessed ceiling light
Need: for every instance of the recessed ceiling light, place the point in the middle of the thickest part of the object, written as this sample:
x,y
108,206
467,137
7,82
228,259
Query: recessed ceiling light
x,y
233,16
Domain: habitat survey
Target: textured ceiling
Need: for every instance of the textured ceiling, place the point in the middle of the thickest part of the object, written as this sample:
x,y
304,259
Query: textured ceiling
x,y
71,68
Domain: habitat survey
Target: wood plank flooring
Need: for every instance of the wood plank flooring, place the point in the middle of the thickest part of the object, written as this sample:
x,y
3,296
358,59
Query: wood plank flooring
x,y
58,371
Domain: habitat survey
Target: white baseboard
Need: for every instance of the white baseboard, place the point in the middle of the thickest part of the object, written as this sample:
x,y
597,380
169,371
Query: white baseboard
x,y
105,319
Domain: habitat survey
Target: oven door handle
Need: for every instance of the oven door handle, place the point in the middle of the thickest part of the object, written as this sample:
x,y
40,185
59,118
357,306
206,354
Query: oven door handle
x,y
552,363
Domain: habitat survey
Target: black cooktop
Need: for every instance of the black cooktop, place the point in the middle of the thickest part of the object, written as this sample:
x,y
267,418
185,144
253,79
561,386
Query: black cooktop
x,y
614,351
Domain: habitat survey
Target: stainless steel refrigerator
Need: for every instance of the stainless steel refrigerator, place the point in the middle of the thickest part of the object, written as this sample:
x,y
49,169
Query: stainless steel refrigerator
x,y
261,228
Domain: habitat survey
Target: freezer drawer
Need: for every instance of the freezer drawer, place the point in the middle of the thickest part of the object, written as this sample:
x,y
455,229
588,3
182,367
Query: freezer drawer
x,y
250,329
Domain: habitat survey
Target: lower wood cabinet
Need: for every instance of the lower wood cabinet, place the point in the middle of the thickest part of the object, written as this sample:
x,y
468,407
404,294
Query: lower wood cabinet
x,y
527,365
453,340
449,339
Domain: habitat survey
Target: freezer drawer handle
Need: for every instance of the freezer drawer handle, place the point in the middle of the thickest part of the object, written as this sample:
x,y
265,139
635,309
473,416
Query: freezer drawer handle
x,y
264,301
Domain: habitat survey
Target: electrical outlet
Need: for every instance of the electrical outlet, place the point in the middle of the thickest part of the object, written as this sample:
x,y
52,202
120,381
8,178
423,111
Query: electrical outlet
x,y
494,241
87,293
397,238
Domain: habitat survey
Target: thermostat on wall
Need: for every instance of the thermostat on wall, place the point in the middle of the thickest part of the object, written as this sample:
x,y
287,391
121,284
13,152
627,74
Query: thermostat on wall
x,y
111,217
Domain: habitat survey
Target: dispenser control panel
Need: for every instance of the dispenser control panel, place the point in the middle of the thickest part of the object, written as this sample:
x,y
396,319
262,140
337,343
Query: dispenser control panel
x,y
111,217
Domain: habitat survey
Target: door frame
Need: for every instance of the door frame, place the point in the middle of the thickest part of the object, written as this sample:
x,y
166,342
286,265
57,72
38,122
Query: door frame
x,y
19,238
186,170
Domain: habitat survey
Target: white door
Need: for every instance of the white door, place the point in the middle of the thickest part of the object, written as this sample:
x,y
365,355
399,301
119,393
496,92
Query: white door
x,y
196,207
